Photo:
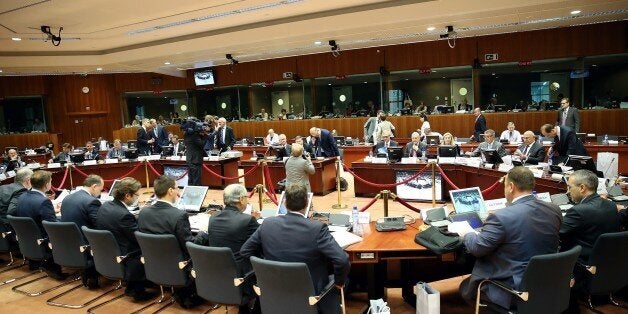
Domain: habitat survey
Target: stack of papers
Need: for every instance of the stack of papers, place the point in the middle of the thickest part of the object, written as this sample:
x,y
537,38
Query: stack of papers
x,y
345,238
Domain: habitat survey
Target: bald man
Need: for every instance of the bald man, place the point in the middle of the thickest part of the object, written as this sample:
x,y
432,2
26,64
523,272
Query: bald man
x,y
323,143
530,152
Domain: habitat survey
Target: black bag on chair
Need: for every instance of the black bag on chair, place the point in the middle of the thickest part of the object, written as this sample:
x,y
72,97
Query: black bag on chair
x,y
438,242
343,184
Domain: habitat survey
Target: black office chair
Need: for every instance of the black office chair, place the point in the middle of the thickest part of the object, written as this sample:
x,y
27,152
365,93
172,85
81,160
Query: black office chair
x,y
216,275
286,287
607,266
69,250
161,257
108,259
5,247
545,285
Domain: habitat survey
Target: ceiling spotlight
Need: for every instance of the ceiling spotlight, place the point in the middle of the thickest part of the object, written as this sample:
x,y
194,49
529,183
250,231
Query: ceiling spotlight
x,y
48,35
0,71
574,12
16,39
230,58
98,69
431,28
318,43
167,63
335,49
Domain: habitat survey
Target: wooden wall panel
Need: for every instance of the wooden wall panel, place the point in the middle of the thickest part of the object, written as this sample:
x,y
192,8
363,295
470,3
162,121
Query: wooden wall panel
x,y
22,85
132,82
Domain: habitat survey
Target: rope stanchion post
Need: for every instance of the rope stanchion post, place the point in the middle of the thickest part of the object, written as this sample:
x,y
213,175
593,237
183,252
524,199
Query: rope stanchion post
x,y
70,174
147,178
260,195
385,197
338,205
433,184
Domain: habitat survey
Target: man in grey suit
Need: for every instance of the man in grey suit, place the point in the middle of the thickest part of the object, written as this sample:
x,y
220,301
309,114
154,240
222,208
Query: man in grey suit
x,y
530,152
10,193
414,148
489,144
369,127
386,142
117,151
163,218
231,228
298,169
509,239
309,242
568,116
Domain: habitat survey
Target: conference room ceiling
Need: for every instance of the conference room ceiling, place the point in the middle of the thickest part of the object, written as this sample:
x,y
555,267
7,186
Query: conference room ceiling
x,y
172,36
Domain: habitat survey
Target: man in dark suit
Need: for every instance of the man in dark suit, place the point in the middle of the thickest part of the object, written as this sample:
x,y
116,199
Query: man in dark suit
x,y
568,116
13,160
324,143
160,135
81,208
309,242
224,136
480,124
284,148
385,143
91,153
36,205
565,142
9,195
178,148
64,155
194,141
509,238
414,148
144,138
231,228
489,144
115,217
117,151
163,218
530,152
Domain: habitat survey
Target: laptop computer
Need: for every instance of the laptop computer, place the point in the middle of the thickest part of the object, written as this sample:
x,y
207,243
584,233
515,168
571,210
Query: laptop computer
x,y
109,196
616,194
468,200
192,198
258,141
282,210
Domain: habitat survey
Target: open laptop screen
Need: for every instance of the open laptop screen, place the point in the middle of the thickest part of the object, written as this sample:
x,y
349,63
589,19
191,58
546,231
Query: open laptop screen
x,y
282,210
192,198
468,200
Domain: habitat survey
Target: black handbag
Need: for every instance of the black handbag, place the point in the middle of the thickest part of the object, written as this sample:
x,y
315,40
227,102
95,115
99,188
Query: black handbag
x,y
438,242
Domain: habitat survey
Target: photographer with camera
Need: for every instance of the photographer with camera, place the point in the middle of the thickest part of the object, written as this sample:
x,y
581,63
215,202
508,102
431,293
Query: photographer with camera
x,y
195,135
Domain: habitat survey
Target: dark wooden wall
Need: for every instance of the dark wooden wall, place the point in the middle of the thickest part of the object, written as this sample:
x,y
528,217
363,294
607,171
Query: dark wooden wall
x,y
66,105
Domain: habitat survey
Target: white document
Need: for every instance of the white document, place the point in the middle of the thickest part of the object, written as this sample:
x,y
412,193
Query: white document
x,y
408,160
608,163
60,198
446,160
460,227
111,160
345,238
90,162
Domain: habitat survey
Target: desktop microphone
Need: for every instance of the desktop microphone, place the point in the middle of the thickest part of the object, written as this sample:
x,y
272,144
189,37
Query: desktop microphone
x,y
609,165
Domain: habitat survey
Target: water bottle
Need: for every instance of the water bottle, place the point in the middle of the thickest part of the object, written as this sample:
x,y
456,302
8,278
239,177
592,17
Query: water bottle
x,y
605,141
254,154
534,194
355,214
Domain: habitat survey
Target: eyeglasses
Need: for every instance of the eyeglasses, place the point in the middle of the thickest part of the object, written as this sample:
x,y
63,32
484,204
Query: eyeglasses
x,y
136,194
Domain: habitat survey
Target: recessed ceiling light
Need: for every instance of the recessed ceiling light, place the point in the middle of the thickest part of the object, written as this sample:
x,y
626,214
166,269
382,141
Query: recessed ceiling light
x,y
16,38
493,74
431,28
365,82
434,71
167,63
329,84
98,69
593,65
574,12
407,79
318,42
444,77
0,71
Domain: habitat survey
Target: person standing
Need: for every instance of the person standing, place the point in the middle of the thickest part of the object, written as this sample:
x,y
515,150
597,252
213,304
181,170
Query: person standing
x,y
224,136
195,141
298,169
144,138
568,116
480,124
323,143
369,127
565,142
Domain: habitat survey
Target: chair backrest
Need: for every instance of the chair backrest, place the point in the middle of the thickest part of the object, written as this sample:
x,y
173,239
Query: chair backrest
x,y
285,287
66,241
610,257
27,233
215,270
105,250
161,254
546,279
4,242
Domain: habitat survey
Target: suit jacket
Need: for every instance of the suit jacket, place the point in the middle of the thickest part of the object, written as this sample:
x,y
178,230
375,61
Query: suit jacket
x,y
585,222
113,153
80,208
116,218
326,145
536,153
567,144
496,145
194,145
61,157
231,228
381,145
9,195
228,141
143,147
93,155
369,129
163,218
298,171
180,149
160,135
35,205
572,120
508,240
310,243
408,150
479,127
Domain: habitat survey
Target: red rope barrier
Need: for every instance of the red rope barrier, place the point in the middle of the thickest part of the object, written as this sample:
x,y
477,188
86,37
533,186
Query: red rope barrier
x,y
383,186
370,203
491,188
270,187
153,169
251,193
485,192
444,176
231,178
65,176
272,197
410,207
110,180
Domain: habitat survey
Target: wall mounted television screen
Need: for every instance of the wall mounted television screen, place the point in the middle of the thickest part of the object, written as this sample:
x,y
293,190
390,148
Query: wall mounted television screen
x,y
205,77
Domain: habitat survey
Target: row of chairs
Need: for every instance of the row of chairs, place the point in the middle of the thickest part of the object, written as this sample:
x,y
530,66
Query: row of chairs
x,y
213,267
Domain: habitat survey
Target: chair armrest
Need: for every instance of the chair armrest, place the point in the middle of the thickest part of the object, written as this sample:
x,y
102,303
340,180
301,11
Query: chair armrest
x,y
590,268
315,299
121,259
238,281
184,264
84,248
257,290
6,233
42,241
521,294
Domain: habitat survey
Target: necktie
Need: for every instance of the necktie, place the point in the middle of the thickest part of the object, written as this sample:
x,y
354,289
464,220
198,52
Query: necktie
x,y
564,117
510,137
525,151
223,135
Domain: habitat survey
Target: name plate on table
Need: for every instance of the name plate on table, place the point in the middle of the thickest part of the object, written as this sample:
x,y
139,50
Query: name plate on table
x,y
461,160
124,160
547,142
545,196
34,165
173,157
11,173
409,160
2,176
141,158
90,162
54,165
446,160
111,160
496,204
537,172
557,176
379,160
504,167
474,162
153,157
211,158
